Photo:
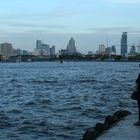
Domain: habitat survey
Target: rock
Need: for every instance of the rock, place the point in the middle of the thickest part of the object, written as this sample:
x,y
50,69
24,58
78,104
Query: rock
x,y
109,121
121,113
93,132
100,127
90,134
115,119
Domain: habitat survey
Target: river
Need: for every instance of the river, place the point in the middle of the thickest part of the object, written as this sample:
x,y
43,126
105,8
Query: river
x,y
53,101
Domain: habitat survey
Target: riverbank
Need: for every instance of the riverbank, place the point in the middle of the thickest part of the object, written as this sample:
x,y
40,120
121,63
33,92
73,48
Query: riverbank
x,y
61,61
33,58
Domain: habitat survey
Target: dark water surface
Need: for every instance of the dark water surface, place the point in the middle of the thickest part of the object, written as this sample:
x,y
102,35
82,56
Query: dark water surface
x,y
53,101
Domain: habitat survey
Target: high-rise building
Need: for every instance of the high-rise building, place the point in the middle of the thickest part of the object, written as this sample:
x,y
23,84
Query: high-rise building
x,y
107,50
42,49
45,49
71,48
6,49
133,50
52,50
124,44
38,44
101,48
113,50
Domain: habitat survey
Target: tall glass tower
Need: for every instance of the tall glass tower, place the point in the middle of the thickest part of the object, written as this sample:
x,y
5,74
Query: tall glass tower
x,y
124,44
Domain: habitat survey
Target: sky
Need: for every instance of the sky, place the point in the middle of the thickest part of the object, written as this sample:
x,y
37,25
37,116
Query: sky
x,y
90,22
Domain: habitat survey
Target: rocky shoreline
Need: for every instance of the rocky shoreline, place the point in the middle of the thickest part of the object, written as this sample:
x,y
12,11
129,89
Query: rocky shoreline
x,y
94,132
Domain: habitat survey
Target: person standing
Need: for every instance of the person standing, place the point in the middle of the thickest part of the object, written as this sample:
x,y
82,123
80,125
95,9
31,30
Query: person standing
x,y
136,96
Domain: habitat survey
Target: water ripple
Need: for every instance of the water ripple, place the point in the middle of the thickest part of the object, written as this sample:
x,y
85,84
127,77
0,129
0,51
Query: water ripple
x,y
60,101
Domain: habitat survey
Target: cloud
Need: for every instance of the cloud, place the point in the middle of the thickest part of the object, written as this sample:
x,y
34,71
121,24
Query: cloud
x,y
4,33
28,25
114,30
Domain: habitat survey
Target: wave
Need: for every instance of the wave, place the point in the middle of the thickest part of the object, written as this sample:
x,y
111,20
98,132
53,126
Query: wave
x,y
31,103
43,81
5,121
15,111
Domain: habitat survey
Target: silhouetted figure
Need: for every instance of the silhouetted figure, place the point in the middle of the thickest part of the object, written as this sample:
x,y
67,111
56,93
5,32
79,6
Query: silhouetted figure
x,y
137,97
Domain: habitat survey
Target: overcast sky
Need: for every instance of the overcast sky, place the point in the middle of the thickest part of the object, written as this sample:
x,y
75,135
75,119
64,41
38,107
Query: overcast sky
x,y
55,21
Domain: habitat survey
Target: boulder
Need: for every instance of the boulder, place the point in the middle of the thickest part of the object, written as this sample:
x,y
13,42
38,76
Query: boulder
x,y
121,113
93,132
100,127
90,134
108,121
115,119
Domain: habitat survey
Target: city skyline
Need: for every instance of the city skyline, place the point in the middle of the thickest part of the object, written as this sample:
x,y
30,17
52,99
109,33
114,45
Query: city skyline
x,y
89,22
42,48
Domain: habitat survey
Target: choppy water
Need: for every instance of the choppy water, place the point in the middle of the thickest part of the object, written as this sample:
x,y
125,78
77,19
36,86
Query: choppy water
x,y
49,101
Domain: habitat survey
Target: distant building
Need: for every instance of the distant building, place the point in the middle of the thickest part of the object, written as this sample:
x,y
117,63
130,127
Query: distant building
x,y
25,52
6,49
63,52
38,44
38,52
71,48
52,50
108,50
17,52
133,50
102,48
45,49
124,44
41,48
138,49
90,53
113,50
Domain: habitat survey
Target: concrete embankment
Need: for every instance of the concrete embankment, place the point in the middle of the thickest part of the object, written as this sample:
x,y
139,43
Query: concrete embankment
x,y
119,126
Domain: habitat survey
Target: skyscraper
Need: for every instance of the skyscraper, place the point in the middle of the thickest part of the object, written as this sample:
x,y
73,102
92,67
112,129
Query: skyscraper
x,y
38,44
133,50
124,44
6,49
101,48
52,50
71,47
113,50
41,48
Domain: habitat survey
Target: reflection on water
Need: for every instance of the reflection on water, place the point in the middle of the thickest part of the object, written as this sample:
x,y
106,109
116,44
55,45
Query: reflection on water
x,y
60,101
